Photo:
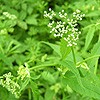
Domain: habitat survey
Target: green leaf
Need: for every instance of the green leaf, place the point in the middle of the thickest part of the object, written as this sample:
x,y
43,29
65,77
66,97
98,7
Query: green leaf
x,y
24,6
24,84
10,97
71,66
89,36
93,13
6,60
55,47
35,90
91,88
32,20
22,15
64,49
49,94
48,77
32,31
29,10
4,95
94,51
22,24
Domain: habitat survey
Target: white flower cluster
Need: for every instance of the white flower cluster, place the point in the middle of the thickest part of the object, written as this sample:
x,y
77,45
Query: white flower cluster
x,y
3,31
62,14
50,15
9,84
10,16
65,29
59,28
77,15
23,72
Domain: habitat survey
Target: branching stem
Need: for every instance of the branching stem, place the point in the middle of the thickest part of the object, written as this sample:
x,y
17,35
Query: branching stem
x,y
89,58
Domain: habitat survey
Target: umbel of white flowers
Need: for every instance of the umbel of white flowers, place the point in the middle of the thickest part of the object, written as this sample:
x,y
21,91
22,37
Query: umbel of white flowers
x,y
10,84
9,16
65,27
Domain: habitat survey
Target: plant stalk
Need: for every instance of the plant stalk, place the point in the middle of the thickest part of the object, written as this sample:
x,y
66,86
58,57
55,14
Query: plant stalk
x,y
89,58
73,55
42,66
95,68
30,98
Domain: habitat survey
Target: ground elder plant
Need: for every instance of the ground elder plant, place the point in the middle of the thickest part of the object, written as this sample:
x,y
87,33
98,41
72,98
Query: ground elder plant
x,y
65,27
49,55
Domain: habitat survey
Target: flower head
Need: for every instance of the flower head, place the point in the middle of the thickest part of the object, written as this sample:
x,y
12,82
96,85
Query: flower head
x,y
10,84
65,29
50,15
10,16
23,72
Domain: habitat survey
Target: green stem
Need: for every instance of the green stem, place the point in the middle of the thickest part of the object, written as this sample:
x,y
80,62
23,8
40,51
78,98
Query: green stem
x,y
29,92
89,58
42,66
95,68
73,55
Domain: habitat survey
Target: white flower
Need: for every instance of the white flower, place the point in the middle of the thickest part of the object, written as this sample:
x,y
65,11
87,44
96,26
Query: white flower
x,y
49,9
62,14
62,10
49,15
78,11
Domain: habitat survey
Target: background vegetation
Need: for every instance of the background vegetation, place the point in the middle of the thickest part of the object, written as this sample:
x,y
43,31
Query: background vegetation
x,y
27,39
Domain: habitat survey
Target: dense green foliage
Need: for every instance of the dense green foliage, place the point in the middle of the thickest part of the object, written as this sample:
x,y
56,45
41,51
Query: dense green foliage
x,y
42,65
